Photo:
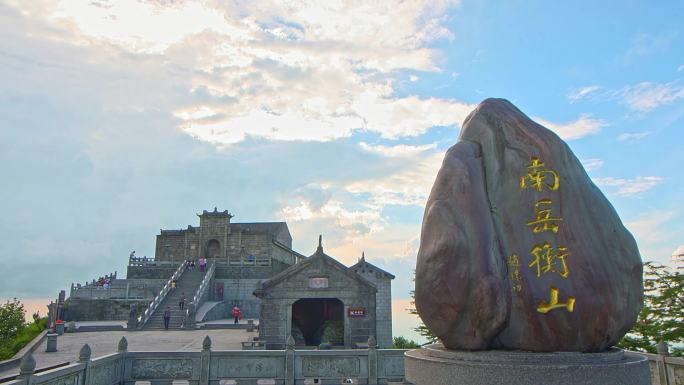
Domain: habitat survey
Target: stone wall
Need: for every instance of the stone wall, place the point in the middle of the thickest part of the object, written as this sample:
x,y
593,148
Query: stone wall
x,y
384,314
100,310
151,272
224,310
249,272
177,245
257,244
142,289
239,292
282,255
383,299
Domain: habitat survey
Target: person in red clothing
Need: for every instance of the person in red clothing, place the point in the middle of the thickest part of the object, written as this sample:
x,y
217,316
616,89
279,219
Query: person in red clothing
x,y
236,313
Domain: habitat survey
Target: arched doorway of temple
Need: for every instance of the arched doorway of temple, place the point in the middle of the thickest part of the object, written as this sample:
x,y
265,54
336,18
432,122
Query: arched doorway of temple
x,y
213,249
318,320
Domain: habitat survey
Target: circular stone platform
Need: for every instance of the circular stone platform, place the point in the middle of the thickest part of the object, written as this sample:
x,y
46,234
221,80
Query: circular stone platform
x,y
435,365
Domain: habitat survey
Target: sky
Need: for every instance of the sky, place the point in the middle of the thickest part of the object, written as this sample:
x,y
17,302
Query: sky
x,y
119,118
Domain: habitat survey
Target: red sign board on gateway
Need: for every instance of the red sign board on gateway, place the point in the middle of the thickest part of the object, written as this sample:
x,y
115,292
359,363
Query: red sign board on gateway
x,y
357,312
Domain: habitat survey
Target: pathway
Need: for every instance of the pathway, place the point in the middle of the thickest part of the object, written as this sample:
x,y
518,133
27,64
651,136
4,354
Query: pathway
x,y
102,343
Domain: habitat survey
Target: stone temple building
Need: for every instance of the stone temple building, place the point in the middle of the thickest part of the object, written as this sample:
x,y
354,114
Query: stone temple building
x,y
315,299
303,297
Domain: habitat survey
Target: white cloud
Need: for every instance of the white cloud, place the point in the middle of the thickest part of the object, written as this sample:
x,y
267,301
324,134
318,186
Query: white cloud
x,y
355,211
583,92
149,27
348,231
399,150
409,186
592,164
641,97
283,71
648,228
410,116
647,44
579,128
629,187
646,96
633,136
656,233
678,253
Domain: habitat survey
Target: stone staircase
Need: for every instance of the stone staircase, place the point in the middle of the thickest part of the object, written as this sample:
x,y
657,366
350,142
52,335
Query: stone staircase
x,y
187,286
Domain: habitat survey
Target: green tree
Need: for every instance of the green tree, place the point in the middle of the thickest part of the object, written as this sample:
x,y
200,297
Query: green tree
x,y
11,321
662,316
421,328
403,343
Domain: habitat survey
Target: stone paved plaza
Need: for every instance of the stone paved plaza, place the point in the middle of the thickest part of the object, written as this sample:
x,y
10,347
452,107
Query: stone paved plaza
x,y
102,343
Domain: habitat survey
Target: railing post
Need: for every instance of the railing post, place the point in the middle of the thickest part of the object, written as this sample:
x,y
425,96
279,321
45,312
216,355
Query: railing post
x,y
84,358
663,351
122,349
27,368
372,361
190,317
205,358
289,361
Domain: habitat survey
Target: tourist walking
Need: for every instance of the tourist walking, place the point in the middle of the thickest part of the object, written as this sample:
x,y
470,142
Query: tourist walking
x,y
167,318
181,301
236,313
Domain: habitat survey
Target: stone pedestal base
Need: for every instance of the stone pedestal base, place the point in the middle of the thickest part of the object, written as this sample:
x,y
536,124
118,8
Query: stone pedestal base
x,y
435,365
51,343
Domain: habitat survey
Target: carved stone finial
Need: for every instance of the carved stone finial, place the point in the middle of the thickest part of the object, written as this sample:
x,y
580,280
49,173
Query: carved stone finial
x,y
28,365
363,256
123,344
372,343
320,244
663,348
290,343
206,344
84,354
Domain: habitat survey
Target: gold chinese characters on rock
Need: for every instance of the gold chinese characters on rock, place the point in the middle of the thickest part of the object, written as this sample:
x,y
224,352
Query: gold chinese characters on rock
x,y
545,257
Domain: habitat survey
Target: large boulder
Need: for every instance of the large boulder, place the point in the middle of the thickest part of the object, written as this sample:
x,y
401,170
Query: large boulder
x,y
519,249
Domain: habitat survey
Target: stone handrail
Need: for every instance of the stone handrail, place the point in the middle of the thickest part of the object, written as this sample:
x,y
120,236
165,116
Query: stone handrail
x,y
118,292
144,261
665,370
161,296
199,298
282,367
94,283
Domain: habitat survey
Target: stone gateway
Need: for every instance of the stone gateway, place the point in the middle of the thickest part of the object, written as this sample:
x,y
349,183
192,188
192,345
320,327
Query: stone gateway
x,y
519,249
321,301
